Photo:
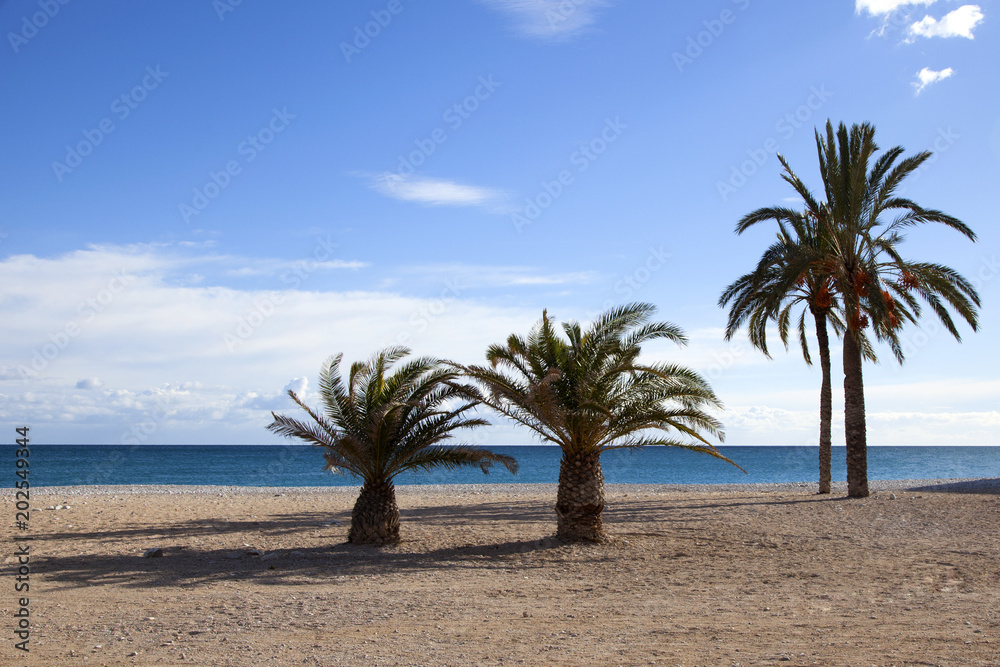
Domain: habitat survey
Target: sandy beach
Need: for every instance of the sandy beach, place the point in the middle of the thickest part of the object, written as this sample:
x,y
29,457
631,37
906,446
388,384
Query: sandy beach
x,y
742,575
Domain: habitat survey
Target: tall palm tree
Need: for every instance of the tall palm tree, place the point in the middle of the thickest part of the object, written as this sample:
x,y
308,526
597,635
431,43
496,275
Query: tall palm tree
x,y
380,424
588,393
863,227
788,275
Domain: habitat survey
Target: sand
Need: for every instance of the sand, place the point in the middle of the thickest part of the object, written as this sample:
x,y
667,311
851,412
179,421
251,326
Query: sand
x,y
750,575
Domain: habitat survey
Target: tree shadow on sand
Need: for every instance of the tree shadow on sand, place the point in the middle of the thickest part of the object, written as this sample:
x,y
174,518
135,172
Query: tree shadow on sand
x,y
182,566
986,485
184,563
285,524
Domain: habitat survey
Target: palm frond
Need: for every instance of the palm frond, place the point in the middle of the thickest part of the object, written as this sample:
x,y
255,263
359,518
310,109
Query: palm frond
x,y
389,417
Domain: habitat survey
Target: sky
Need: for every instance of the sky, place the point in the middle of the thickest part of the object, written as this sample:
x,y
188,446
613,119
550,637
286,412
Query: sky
x,y
201,202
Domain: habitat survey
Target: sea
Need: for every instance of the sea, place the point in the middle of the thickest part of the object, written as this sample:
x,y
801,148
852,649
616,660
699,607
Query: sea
x,y
300,465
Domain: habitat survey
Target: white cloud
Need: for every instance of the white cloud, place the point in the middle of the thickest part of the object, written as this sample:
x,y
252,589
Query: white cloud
x,y
927,76
436,192
958,23
769,422
550,19
158,346
460,277
217,357
274,267
298,385
933,428
883,7
762,425
949,393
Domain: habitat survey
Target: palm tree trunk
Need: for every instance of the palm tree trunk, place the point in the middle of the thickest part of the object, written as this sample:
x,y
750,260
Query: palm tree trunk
x,y
580,499
854,419
375,519
825,402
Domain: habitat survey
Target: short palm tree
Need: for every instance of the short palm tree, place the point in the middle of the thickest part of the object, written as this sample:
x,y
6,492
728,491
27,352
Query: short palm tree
x,y
380,424
588,393
861,257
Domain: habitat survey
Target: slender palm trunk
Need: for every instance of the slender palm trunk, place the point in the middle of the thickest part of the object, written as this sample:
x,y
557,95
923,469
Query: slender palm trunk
x,y
580,499
854,419
375,519
825,402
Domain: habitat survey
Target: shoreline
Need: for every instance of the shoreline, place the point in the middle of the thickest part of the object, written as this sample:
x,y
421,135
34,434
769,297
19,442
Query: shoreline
x,y
950,485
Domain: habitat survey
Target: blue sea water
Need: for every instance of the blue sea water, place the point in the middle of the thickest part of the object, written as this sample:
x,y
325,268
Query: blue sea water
x,y
297,465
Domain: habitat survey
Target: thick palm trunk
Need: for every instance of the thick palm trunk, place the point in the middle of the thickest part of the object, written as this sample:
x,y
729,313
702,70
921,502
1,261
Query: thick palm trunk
x,y
580,499
825,403
375,519
854,420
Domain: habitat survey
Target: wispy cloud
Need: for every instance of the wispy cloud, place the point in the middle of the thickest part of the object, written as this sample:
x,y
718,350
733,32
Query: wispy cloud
x,y
274,267
472,276
550,19
958,23
436,192
927,76
883,7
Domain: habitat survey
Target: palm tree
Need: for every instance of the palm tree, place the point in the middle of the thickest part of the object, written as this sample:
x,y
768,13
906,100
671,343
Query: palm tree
x,y
378,425
788,275
588,393
861,257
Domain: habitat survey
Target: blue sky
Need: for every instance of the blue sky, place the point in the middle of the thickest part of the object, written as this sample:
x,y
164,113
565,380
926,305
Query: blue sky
x,y
202,201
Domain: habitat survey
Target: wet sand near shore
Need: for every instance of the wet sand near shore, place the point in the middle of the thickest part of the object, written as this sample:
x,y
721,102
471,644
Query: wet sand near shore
x,y
748,575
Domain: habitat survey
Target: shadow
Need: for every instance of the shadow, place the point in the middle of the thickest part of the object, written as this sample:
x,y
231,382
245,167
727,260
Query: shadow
x,y
325,553
507,511
986,485
282,525
183,566
663,510
285,524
